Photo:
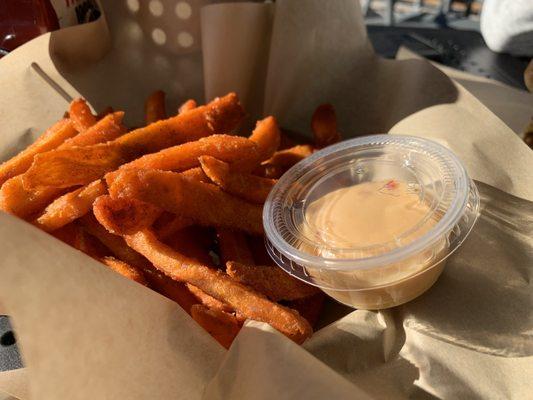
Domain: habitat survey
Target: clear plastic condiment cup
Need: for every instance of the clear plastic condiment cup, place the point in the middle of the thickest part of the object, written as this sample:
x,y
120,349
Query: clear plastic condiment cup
x,y
385,274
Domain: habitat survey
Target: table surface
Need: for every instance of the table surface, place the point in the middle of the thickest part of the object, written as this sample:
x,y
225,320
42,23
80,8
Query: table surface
x,y
459,49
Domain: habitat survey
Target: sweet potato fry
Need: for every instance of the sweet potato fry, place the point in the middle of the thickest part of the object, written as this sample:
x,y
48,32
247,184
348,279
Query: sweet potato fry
x,y
70,206
282,160
196,174
71,167
220,116
204,203
187,106
207,300
81,116
75,236
25,203
233,246
324,126
240,152
267,136
169,224
222,326
247,186
116,244
154,108
217,284
124,269
127,214
269,171
271,281
287,158
309,307
171,289
52,138
108,128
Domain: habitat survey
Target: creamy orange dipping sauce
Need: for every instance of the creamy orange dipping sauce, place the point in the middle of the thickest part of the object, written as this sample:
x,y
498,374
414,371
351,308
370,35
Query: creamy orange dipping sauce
x,y
371,219
369,214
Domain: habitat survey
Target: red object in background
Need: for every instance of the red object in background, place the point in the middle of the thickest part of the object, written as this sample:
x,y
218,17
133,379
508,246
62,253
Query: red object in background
x,y
23,20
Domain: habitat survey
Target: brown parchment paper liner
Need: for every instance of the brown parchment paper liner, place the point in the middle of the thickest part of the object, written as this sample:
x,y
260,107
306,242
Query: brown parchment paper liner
x,y
87,333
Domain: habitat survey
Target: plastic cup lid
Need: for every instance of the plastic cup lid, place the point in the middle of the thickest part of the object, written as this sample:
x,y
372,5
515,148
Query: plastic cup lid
x,y
431,171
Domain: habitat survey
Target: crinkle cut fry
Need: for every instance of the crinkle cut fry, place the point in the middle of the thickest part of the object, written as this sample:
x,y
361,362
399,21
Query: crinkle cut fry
x,y
80,114
246,186
204,203
71,167
217,284
52,138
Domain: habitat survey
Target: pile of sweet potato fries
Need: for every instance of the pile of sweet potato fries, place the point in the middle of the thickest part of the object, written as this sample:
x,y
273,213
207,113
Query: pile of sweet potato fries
x,y
175,205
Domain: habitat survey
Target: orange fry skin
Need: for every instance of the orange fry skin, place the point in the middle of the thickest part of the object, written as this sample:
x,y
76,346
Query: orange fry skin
x,y
196,174
72,166
80,166
70,206
128,214
271,281
124,269
220,116
81,116
169,224
324,126
25,203
204,203
187,106
207,300
282,160
267,136
233,246
217,284
247,186
108,128
115,244
171,289
222,326
240,152
51,139
154,107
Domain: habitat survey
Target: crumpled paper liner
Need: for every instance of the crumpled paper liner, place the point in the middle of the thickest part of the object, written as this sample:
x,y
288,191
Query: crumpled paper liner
x,y
86,332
